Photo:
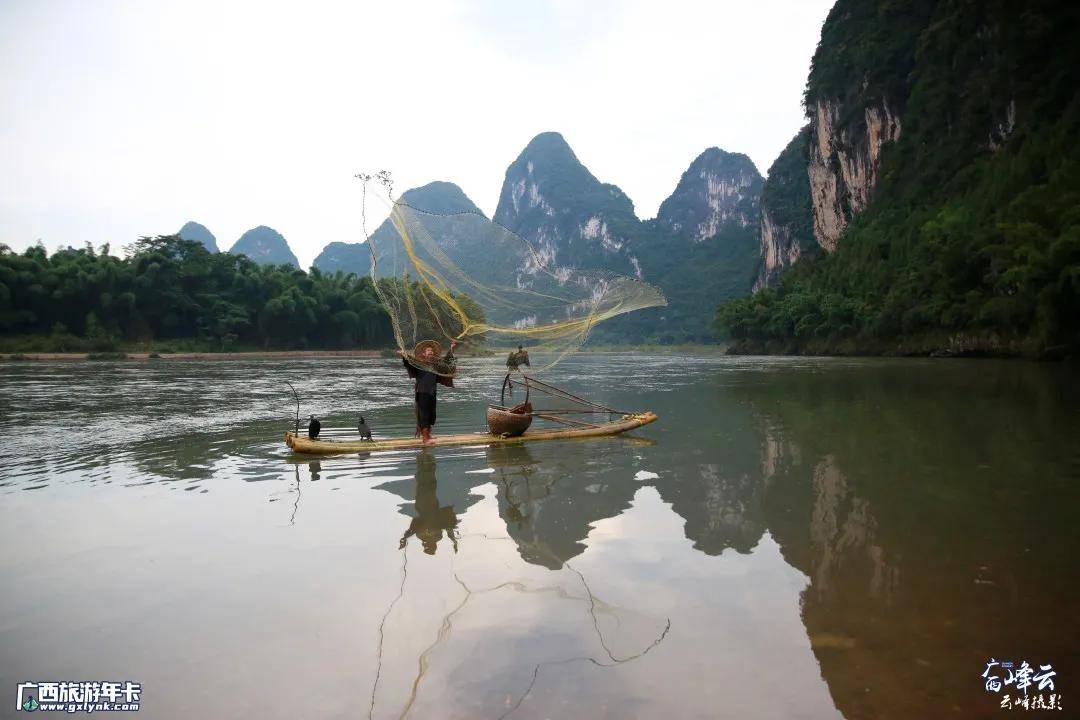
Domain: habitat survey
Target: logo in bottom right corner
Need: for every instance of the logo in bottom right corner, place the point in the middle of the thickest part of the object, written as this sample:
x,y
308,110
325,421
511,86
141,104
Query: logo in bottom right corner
x,y
1021,686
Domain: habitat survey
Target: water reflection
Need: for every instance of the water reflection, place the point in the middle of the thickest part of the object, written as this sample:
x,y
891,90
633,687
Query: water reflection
x,y
795,535
433,518
431,521
934,537
293,492
918,525
508,622
547,506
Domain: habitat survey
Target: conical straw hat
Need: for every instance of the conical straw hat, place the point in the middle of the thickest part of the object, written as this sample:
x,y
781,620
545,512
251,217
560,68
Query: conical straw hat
x,y
423,345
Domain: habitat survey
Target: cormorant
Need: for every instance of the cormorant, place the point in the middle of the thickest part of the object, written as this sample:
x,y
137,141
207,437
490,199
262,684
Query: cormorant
x,y
313,427
364,430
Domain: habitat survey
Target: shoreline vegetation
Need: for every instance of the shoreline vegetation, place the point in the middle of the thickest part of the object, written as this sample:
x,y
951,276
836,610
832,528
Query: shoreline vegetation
x,y
956,347
170,295
202,316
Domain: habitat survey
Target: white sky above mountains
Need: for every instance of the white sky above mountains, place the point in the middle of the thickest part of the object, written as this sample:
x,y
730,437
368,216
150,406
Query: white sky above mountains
x,y
123,119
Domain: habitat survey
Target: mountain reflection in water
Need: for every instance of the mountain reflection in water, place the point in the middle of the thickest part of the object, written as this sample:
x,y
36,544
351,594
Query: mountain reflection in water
x,y
794,538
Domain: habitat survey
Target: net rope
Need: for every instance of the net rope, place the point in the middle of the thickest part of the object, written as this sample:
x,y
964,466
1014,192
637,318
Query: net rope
x,y
514,294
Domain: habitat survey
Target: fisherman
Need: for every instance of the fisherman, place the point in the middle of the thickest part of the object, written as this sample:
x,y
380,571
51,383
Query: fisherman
x,y
429,353
516,359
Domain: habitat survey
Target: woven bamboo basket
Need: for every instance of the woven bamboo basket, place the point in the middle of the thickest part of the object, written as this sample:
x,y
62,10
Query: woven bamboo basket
x,y
509,422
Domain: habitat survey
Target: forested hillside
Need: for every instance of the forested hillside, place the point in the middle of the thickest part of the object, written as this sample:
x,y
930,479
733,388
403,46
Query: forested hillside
x,y
945,182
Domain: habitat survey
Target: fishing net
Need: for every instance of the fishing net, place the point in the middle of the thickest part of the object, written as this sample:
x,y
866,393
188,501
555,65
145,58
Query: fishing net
x,y
461,277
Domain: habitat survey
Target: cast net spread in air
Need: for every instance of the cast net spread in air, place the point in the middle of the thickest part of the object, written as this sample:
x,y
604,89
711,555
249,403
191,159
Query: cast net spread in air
x,y
460,276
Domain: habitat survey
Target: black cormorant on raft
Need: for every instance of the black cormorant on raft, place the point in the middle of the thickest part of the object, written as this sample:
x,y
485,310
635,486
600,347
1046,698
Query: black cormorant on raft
x,y
364,429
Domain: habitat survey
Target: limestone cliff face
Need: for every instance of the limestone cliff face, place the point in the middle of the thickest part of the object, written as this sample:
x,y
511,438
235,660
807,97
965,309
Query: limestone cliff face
x,y
785,228
778,251
823,178
702,247
571,218
843,164
718,188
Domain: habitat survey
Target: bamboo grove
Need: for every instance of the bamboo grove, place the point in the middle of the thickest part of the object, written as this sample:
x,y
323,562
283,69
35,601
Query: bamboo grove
x,y
166,290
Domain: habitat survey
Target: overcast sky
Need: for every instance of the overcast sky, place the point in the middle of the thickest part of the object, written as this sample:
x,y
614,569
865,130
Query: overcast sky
x,y
123,119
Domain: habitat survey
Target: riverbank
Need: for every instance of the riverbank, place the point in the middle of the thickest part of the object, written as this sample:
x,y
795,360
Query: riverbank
x,y
940,346
682,349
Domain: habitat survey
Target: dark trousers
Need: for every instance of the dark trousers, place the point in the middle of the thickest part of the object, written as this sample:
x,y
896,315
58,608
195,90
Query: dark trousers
x,y
425,410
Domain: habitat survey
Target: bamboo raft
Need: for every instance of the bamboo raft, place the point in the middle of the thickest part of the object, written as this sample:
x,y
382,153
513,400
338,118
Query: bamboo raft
x,y
300,444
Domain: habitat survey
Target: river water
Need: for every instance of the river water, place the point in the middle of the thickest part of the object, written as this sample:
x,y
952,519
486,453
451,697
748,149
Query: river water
x,y
794,538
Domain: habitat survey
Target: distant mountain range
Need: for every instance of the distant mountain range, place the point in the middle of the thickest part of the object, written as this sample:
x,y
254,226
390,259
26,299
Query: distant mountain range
x,y
262,244
702,247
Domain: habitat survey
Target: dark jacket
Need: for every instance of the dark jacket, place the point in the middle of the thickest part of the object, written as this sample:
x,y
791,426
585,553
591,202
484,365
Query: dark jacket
x,y
427,381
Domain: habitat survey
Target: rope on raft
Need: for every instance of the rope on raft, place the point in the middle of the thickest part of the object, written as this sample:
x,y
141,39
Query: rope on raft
x,y
565,421
557,392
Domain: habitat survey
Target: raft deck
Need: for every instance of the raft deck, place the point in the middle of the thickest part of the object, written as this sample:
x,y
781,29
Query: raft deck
x,y
307,446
